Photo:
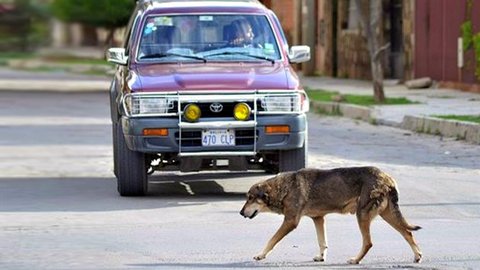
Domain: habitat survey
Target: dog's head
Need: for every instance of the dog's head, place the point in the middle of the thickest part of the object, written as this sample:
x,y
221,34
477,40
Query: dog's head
x,y
257,201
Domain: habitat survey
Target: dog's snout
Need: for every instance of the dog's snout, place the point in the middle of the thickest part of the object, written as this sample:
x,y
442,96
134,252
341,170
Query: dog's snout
x,y
242,213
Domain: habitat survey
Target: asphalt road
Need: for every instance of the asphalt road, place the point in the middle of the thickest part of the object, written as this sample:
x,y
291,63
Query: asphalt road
x,y
59,208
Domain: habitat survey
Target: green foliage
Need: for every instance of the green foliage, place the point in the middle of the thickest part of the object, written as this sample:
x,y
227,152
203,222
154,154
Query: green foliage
x,y
469,39
476,48
466,118
320,95
467,34
6,56
98,13
25,27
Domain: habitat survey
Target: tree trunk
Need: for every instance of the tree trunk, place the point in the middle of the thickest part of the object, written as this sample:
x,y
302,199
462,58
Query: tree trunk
x,y
309,34
377,79
109,42
90,37
371,30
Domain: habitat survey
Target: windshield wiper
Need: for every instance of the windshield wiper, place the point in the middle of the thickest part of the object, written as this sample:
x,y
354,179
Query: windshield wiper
x,y
262,57
161,55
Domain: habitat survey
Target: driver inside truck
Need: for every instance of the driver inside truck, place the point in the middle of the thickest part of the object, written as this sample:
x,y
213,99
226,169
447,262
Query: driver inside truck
x,y
241,34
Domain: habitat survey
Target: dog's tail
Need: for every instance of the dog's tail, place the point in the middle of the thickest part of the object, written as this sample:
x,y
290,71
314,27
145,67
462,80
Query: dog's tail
x,y
395,210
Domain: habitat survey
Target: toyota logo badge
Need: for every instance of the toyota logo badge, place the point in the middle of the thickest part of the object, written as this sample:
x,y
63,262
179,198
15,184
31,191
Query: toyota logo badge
x,y
216,107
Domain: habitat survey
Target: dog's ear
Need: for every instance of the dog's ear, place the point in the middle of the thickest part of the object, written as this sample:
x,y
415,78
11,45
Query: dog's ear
x,y
263,193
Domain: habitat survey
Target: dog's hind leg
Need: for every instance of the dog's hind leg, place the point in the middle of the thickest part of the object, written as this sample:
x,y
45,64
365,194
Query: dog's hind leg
x,y
321,237
364,218
397,224
288,225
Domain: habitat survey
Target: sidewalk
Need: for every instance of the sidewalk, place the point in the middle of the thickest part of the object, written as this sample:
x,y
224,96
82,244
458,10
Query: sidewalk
x,y
415,117
18,80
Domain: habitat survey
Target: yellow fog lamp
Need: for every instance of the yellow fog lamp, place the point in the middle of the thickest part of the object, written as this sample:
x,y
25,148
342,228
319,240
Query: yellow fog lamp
x,y
192,112
241,111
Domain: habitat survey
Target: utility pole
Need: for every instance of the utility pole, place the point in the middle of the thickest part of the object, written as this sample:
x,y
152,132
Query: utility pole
x,y
309,34
371,25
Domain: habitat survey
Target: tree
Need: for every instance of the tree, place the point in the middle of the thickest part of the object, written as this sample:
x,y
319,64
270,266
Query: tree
x,y
24,25
110,14
371,30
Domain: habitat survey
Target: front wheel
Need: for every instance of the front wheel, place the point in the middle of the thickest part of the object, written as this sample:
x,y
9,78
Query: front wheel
x,y
292,160
295,159
129,166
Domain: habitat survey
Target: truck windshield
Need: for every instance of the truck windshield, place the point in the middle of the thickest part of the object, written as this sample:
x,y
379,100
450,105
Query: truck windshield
x,y
215,37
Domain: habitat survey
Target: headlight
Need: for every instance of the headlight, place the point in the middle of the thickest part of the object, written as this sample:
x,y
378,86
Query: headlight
x,y
281,103
148,105
192,112
284,103
241,111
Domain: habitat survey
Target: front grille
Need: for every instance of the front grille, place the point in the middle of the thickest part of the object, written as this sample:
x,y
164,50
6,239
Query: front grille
x,y
194,138
190,138
244,137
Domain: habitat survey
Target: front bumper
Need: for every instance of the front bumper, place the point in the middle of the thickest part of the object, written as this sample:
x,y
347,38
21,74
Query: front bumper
x,y
250,140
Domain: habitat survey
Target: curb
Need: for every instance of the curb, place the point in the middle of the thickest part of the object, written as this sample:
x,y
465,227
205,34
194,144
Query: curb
x,y
467,131
54,85
341,109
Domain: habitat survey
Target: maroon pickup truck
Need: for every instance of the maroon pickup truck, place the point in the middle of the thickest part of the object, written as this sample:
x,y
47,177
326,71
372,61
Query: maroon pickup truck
x,y
205,85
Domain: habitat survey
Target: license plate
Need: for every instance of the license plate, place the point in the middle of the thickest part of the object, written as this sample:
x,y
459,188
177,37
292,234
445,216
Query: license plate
x,y
218,137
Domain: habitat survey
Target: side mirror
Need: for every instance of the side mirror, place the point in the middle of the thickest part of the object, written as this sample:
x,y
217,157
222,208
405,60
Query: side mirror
x,y
117,56
299,54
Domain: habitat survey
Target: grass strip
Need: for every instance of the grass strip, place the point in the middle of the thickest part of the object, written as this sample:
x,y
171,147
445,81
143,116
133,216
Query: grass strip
x,y
363,100
466,118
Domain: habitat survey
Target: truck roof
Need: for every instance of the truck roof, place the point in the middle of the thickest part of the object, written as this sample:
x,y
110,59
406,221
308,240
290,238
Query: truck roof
x,y
202,5
165,1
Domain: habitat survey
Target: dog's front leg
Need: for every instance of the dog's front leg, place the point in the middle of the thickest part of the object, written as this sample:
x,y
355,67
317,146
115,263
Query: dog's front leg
x,y
287,226
321,237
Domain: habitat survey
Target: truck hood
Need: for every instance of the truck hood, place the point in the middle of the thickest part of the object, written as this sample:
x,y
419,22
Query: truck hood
x,y
212,76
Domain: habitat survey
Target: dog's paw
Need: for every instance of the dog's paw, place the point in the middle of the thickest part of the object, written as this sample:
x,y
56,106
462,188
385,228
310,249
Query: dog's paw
x,y
259,257
353,261
318,258
418,258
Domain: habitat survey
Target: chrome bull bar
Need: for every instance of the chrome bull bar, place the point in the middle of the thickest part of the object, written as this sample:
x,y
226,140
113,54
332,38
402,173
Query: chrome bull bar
x,y
271,103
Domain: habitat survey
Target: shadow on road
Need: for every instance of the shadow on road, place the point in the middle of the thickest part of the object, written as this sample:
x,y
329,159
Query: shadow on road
x,y
203,184
100,194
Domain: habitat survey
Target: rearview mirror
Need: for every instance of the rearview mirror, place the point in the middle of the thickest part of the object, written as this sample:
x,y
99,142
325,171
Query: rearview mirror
x,y
299,54
117,56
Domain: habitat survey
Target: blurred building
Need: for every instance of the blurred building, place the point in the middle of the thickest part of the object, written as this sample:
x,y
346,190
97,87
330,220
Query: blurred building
x,y
78,35
423,37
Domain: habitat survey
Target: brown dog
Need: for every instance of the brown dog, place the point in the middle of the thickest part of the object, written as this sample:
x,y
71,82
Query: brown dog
x,y
366,191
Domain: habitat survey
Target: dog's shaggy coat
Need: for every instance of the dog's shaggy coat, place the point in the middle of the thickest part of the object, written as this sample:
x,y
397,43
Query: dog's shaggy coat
x,y
366,191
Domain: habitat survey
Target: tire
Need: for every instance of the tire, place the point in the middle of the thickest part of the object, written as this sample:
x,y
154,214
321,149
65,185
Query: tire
x,y
292,160
270,163
115,150
130,167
